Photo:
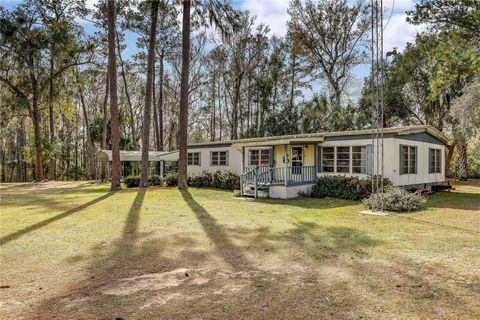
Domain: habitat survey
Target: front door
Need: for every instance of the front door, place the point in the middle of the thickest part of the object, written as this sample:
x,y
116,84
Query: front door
x,y
297,161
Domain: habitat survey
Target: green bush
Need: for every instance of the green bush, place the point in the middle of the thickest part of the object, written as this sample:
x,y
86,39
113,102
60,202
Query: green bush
x,y
395,199
155,180
171,179
225,180
349,188
132,181
201,180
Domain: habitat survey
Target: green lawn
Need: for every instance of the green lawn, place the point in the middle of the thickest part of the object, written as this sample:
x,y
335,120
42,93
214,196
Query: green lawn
x,y
76,251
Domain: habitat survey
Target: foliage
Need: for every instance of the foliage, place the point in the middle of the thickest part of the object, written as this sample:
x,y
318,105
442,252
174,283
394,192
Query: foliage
x,y
225,180
396,200
329,35
75,173
349,188
132,181
218,180
171,179
155,180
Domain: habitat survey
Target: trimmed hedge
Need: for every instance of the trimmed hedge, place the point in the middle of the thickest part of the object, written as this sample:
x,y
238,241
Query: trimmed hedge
x,y
349,188
396,199
134,181
218,180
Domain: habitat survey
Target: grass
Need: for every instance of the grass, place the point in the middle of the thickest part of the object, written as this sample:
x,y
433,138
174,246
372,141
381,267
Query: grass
x,y
77,251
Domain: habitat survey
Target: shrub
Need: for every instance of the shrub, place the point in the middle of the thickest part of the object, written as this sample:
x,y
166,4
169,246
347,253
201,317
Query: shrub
x,y
396,199
171,179
226,180
132,181
201,180
155,180
349,188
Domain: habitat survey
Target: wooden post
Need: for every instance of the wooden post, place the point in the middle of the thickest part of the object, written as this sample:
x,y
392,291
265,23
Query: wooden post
x,y
256,182
242,171
285,157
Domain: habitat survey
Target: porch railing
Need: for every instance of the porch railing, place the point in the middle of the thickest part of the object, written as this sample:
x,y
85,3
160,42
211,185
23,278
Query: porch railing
x,y
264,175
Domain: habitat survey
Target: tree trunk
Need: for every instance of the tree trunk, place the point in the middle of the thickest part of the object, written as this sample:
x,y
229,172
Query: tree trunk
x,y
90,159
148,96
52,166
448,159
127,94
38,140
159,116
462,162
183,118
103,143
112,63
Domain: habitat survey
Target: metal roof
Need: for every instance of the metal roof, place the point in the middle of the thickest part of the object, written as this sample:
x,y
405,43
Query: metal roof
x,y
130,155
321,135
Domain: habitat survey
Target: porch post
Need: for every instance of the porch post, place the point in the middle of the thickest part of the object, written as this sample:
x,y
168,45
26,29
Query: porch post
x,y
242,170
161,168
285,165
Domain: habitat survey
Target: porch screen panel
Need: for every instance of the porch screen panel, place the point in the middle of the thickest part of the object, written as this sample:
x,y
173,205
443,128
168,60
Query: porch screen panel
x,y
343,159
328,159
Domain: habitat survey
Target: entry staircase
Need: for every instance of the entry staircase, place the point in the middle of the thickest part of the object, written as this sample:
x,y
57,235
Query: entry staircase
x,y
255,181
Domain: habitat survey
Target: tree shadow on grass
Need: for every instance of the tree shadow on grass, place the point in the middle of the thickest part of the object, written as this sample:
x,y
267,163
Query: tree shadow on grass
x,y
225,248
36,226
145,271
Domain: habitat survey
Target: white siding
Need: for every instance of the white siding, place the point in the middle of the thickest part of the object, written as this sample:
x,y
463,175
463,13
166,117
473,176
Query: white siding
x,y
234,160
282,192
392,160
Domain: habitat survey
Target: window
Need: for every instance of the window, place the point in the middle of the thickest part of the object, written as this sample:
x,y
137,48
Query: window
x,y
259,157
328,159
193,158
435,165
359,159
219,158
343,159
408,160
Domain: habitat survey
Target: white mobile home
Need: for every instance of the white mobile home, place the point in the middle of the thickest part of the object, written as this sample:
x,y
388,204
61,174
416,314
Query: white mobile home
x,y
283,166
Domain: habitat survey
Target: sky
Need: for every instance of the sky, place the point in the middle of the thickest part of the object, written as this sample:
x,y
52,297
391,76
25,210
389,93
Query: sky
x,y
397,32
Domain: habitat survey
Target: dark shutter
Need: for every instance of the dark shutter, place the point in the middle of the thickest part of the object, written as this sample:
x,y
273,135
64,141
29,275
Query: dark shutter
x,y
401,160
416,160
319,159
430,158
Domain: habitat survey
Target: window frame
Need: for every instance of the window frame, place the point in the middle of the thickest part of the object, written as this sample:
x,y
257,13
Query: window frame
x,y
337,159
363,168
261,152
408,159
436,167
218,160
192,162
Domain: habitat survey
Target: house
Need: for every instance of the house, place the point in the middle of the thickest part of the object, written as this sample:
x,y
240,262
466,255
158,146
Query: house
x,y
284,166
